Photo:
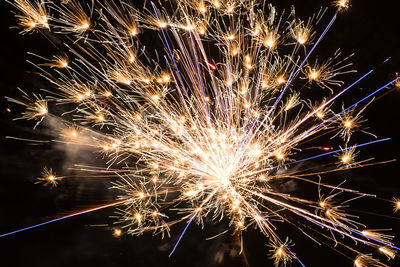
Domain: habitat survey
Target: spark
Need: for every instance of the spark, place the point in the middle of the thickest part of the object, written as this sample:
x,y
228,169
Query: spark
x,y
396,205
212,66
100,117
270,41
320,114
117,232
107,94
32,15
162,24
280,80
347,157
216,3
281,253
314,75
342,3
134,31
390,253
202,7
49,178
201,30
397,83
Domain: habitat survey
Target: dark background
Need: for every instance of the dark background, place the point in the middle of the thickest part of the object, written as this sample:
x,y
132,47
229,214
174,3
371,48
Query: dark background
x,y
369,28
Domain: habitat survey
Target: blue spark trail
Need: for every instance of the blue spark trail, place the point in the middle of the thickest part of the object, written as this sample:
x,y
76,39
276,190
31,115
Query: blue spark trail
x,y
386,60
376,240
179,240
355,104
298,70
169,49
339,150
371,94
347,88
293,76
354,232
61,218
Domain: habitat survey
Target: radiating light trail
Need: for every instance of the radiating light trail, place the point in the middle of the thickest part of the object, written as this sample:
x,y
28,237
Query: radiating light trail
x,y
64,217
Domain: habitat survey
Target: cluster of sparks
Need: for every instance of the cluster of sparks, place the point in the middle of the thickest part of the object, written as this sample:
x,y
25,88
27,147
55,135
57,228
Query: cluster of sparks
x,y
212,125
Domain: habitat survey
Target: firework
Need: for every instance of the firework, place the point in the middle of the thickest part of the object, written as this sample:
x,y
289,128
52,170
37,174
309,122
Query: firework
x,y
49,178
209,125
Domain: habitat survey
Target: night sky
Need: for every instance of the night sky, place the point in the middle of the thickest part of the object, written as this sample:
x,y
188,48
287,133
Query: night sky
x,y
370,29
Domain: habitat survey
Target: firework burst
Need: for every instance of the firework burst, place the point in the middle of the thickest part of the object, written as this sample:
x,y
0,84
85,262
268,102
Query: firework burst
x,y
209,126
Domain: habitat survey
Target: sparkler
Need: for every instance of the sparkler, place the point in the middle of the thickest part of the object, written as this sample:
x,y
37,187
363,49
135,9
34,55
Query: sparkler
x,y
206,128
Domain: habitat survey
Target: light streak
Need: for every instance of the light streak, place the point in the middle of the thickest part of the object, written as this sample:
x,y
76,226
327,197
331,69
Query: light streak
x,y
63,218
340,150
